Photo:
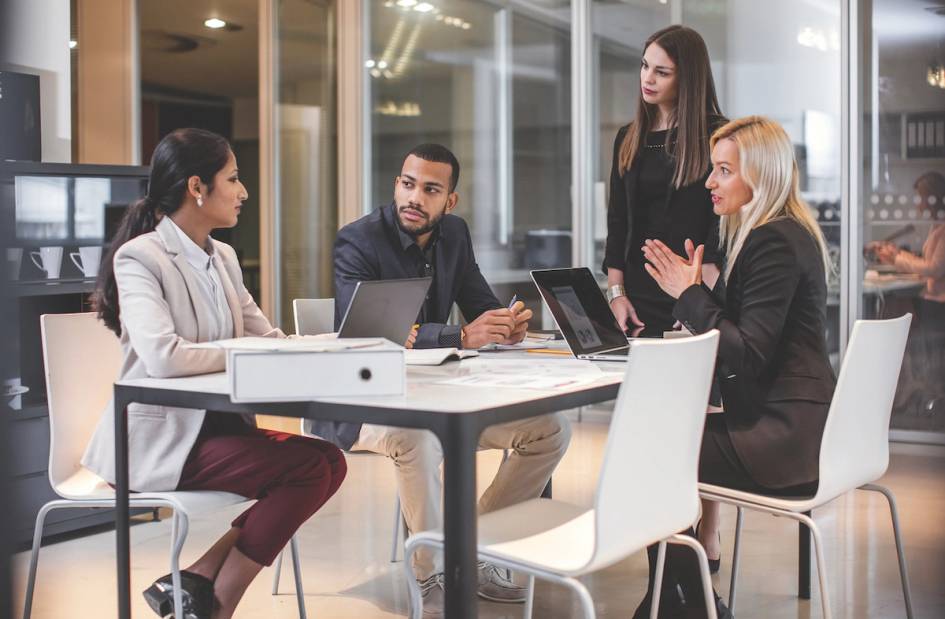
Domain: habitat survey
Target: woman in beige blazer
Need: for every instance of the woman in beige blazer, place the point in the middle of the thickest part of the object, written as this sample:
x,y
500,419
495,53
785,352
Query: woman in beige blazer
x,y
164,285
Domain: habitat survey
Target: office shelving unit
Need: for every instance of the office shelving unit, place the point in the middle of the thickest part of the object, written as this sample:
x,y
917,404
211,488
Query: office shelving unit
x,y
27,296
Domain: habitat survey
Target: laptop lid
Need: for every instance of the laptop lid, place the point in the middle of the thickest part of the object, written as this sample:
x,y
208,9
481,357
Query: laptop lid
x,y
385,308
580,309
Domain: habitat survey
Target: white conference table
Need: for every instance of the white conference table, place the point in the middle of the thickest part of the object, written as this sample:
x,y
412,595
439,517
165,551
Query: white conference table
x,y
456,414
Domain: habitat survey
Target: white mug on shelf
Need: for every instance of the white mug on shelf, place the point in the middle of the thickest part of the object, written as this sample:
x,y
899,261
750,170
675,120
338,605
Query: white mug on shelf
x,y
14,258
87,260
50,261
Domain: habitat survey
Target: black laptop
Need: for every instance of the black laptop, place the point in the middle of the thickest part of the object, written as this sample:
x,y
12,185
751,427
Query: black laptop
x,y
385,308
583,315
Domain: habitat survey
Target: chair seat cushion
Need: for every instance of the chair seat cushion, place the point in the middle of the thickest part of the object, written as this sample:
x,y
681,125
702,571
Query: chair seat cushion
x,y
787,503
84,485
542,533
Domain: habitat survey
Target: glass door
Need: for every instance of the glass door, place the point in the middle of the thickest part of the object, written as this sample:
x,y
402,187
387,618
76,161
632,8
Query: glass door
x,y
901,211
491,81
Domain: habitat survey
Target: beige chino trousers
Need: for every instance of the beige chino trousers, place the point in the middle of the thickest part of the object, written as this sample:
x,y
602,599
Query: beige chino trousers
x,y
536,446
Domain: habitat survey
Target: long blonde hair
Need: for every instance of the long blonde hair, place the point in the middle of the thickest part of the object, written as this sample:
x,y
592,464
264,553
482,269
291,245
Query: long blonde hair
x,y
766,162
695,103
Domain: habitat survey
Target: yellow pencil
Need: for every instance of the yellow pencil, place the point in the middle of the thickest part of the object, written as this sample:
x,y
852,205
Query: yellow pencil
x,y
548,351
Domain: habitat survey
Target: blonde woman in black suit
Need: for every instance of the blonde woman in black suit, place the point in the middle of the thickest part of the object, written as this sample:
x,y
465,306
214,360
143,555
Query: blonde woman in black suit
x,y
776,378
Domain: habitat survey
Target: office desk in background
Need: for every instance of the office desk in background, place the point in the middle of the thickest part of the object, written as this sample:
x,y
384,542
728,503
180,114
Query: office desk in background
x,y
456,414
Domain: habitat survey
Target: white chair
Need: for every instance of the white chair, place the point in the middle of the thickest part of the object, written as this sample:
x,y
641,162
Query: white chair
x,y
314,316
646,493
82,360
854,449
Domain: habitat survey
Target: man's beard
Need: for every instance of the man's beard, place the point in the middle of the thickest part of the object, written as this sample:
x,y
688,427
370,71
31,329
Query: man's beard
x,y
424,228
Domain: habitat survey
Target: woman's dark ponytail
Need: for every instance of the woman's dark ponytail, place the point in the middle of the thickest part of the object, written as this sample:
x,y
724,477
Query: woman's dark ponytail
x,y
183,153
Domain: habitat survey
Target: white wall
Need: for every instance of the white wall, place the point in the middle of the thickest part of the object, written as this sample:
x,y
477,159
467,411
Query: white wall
x,y
38,42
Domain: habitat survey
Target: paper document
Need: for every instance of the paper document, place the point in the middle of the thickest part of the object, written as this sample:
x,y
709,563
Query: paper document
x,y
295,344
436,356
526,375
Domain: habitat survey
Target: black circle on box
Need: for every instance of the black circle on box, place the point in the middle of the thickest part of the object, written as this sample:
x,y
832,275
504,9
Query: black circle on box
x,y
365,374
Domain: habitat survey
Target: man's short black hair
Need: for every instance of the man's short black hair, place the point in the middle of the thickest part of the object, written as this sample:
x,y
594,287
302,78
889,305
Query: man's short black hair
x,y
437,153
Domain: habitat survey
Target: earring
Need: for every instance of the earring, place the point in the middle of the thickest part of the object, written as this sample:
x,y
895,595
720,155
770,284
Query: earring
x,y
199,201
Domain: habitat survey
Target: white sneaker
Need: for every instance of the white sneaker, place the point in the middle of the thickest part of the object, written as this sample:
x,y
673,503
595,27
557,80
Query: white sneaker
x,y
494,586
433,596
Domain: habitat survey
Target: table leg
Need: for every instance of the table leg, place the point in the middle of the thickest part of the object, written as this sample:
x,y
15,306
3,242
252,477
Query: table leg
x,y
803,560
122,537
459,517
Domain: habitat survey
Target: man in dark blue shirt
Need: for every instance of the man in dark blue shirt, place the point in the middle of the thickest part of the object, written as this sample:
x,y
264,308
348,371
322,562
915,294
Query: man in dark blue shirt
x,y
418,236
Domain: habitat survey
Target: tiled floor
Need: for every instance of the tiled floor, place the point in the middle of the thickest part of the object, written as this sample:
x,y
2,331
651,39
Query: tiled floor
x,y
346,571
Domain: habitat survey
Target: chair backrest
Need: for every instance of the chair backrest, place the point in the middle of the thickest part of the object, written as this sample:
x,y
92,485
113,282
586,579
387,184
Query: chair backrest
x,y
855,446
648,486
82,361
314,316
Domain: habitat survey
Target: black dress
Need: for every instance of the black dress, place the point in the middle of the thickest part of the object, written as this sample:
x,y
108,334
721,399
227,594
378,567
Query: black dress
x,y
645,205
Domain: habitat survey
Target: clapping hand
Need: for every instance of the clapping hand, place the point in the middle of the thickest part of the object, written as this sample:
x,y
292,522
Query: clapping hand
x,y
673,273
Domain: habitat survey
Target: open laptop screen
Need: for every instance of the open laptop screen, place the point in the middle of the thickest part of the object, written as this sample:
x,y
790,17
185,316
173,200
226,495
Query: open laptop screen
x,y
580,309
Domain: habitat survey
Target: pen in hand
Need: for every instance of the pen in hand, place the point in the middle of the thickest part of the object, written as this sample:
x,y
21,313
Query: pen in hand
x,y
512,302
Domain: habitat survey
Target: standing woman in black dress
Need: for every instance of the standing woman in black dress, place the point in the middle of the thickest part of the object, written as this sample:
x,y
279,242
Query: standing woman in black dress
x,y
657,190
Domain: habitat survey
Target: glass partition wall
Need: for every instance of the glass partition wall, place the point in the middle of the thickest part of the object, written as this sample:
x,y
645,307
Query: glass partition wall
x,y
491,81
504,83
901,206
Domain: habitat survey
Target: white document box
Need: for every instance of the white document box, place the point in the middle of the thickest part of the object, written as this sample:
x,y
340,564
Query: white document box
x,y
300,375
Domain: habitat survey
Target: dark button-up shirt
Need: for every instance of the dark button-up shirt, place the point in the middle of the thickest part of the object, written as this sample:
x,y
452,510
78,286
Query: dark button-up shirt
x,y
374,247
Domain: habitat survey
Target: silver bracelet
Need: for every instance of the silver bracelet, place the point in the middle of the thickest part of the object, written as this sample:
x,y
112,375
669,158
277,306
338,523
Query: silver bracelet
x,y
615,291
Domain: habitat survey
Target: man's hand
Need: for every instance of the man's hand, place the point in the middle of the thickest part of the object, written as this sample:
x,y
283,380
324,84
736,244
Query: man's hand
x,y
521,316
492,327
412,338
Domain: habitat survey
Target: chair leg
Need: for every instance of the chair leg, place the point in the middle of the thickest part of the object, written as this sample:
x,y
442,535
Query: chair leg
x,y
821,563
703,570
398,523
277,572
736,554
179,526
903,571
34,553
587,603
414,599
658,580
530,597
297,569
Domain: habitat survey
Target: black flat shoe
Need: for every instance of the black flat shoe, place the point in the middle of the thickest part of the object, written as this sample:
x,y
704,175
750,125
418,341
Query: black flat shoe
x,y
196,596
714,564
721,611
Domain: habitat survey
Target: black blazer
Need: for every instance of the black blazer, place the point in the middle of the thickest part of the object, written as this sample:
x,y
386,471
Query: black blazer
x,y
775,374
623,198
371,249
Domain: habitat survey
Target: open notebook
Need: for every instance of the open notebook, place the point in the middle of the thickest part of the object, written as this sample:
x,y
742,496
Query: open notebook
x,y
436,356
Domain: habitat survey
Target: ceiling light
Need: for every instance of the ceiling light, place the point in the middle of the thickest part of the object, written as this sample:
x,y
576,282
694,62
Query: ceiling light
x,y
466,25
215,23
423,7
406,3
369,64
73,44
382,64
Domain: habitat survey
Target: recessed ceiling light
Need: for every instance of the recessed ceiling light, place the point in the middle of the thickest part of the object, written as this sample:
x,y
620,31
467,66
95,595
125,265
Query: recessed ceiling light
x,y
406,3
424,7
73,44
214,23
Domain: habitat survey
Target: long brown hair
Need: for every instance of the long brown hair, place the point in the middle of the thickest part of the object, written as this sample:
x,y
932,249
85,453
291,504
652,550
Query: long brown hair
x,y
695,102
183,153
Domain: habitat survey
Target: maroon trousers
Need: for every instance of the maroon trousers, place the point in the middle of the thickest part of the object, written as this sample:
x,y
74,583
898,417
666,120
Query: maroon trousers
x,y
290,477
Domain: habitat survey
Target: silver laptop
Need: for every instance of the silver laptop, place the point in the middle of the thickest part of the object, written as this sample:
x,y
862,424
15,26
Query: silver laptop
x,y
582,314
385,308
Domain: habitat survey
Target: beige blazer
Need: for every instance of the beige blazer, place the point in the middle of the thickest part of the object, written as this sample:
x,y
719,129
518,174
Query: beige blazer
x,y
161,312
